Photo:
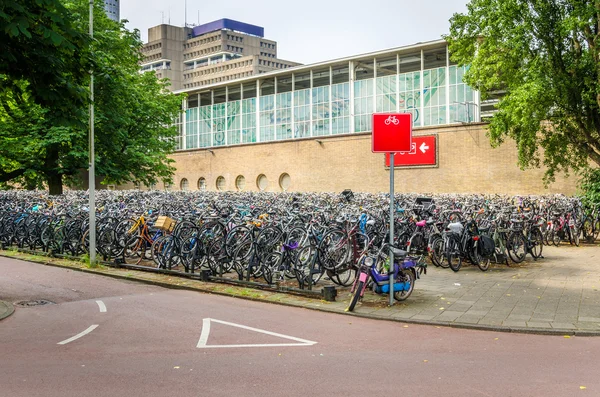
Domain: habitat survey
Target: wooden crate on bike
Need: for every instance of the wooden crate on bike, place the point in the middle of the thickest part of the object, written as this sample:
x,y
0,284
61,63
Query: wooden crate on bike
x,y
165,223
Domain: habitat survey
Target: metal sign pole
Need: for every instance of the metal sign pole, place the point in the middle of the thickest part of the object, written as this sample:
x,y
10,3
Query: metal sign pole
x,y
92,176
391,269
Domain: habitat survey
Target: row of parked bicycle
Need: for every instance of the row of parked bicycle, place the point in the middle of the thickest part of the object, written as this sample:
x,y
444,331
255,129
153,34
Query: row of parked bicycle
x,y
306,237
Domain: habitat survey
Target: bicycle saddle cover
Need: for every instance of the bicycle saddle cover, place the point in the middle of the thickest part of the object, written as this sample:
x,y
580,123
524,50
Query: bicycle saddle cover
x,y
398,253
456,227
421,223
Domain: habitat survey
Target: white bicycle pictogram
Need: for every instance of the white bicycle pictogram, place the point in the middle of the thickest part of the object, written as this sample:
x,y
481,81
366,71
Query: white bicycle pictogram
x,y
392,119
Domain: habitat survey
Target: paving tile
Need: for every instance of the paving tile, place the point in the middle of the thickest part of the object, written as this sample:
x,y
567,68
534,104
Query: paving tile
x,y
514,323
588,326
468,319
477,312
449,316
534,324
562,325
422,317
517,317
590,319
490,321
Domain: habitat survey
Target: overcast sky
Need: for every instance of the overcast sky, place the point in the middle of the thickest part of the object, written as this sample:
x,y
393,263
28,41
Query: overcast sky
x,y
309,31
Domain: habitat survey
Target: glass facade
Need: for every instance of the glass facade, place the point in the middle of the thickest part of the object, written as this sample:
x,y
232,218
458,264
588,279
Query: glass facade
x,y
337,100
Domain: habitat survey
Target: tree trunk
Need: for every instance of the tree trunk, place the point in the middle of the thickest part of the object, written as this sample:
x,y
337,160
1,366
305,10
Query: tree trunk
x,y
54,178
55,184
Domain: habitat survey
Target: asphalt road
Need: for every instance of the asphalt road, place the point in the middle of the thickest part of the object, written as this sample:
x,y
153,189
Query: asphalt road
x,y
146,342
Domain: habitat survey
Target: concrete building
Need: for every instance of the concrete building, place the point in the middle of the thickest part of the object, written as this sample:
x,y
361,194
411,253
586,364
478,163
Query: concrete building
x,y
112,9
208,54
309,128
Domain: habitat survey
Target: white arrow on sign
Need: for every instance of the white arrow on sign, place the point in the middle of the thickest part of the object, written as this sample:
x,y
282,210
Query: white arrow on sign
x,y
423,147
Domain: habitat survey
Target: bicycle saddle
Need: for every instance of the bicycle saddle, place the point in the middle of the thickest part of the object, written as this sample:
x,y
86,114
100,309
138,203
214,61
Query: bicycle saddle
x,y
398,253
421,223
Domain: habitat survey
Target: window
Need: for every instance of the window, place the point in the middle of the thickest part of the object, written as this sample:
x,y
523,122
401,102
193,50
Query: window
x,y
184,185
240,182
262,182
363,105
220,183
202,184
285,181
340,108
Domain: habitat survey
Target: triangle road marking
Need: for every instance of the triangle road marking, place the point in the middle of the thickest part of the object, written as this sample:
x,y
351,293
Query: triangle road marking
x,y
202,343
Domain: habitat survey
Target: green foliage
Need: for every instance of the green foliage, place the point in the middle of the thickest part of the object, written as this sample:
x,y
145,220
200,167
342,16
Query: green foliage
x,y
40,45
46,137
590,187
546,56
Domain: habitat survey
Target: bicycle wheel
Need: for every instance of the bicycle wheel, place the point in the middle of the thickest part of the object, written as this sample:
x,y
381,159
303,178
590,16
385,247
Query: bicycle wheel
x,y
298,235
334,249
240,259
355,296
574,235
437,253
453,255
416,244
407,276
216,256
270,266
588,229
536,243
484,264
343,277
517,247
236,237
304,268
555,238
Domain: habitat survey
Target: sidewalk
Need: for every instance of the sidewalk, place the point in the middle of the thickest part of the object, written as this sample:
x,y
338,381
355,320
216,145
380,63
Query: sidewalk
x,y
559,294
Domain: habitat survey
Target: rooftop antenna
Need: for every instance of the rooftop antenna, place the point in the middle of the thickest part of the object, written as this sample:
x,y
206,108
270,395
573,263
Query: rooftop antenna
x,y
163,17
169,15
198,17
185,14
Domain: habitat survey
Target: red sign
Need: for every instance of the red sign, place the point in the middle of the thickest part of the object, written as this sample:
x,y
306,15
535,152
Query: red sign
x,y
391,132
423,152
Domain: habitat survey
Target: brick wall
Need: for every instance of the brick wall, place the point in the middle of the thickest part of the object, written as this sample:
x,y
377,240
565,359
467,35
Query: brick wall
x,y
466,164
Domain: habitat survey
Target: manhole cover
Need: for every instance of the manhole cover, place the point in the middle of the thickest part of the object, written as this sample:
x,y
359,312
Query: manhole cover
x,y
36,302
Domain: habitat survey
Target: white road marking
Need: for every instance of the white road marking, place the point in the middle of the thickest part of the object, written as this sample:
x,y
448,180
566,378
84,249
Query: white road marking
x,y
204,334
102,306
206,331
87,331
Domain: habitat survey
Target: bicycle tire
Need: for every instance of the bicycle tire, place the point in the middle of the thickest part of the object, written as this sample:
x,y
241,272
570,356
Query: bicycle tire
x,y
334,249
453,255
355,296
437,253
575,235
303,265
406,276
516,245
536,243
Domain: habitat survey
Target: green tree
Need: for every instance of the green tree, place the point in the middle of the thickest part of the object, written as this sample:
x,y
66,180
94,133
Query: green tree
x,y
39,44
132,125
545,54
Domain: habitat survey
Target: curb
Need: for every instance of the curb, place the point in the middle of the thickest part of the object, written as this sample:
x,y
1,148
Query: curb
x,y
476,327
9,309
